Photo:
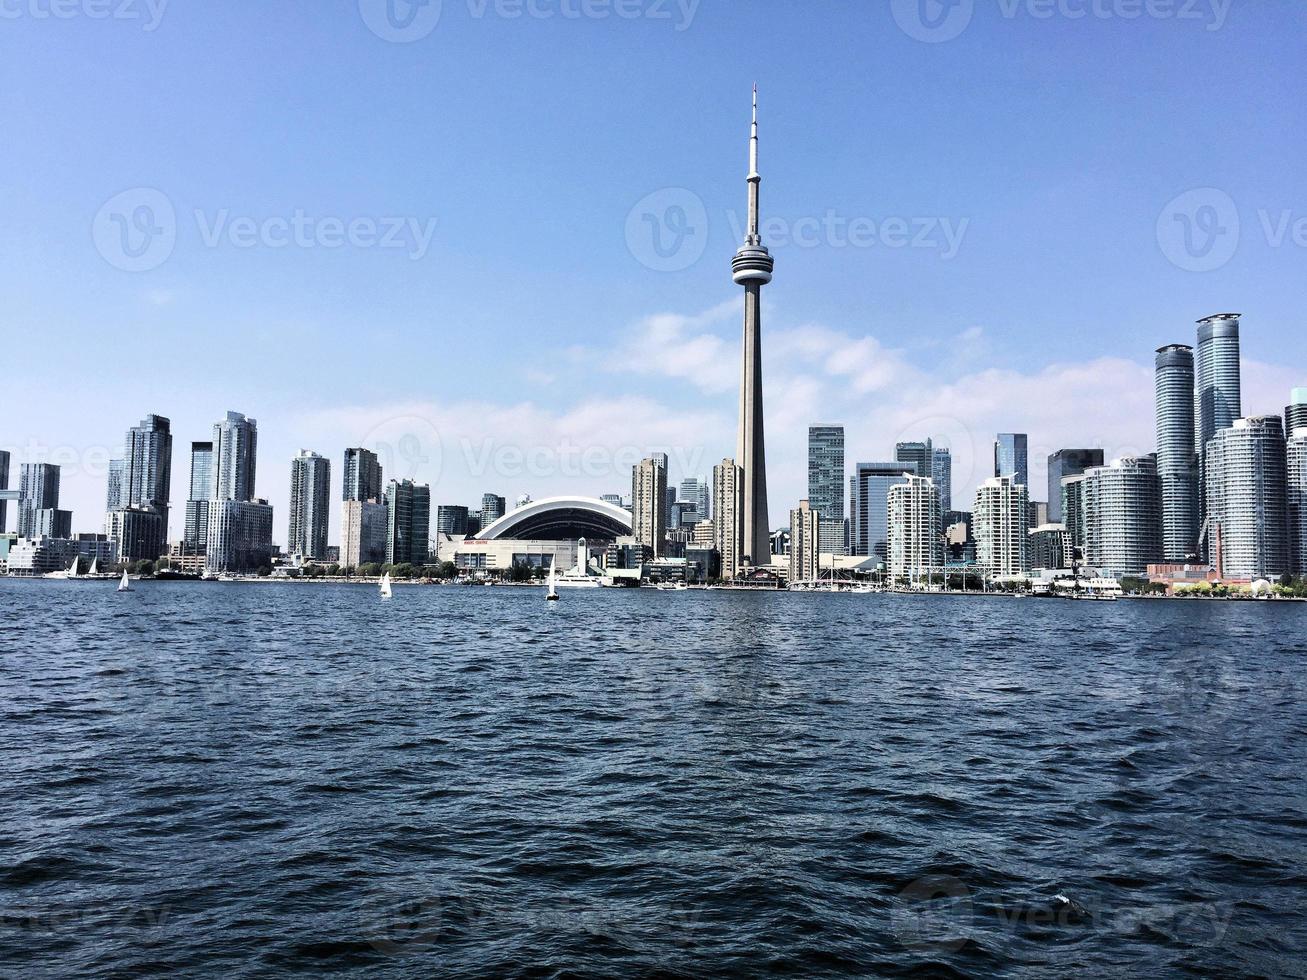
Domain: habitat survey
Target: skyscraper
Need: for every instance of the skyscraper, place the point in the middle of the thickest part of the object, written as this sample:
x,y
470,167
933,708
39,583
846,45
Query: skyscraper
x,y
113,498
1247,499
493,507
698,491
1295,413
363,530
147,466
649,504
38,490
196,533
826,485
1000,527
805,557
942,474
752,269
362,480
235,453
408,522
920,454
1218,399
451,519
869,506
310,493
1011,456
727,524
916,544
1122,505
4,491
1296,455
1064,463
1177,461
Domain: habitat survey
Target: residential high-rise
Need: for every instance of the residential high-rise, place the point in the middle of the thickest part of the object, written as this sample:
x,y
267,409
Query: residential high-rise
x,y
113,498
1064,463
727,522
1011,456
363,533
1000,527
1247,499
147,466
136,532
869,506
240,535
805,540
362,479
1295,413
1177,460
451,519
196,534
942,473
4,491
1296,479
235,453
916,545
696,490
408,522
310,495
493,507
826,485
752,269
1122,505
1218,398
649,504
1049,546
38,490
1073,513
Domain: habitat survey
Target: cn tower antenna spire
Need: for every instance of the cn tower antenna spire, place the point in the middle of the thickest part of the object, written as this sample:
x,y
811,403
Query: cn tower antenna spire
x,y
754,178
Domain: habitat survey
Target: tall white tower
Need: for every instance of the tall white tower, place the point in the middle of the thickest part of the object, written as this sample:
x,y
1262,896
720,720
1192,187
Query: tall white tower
x,y
752,269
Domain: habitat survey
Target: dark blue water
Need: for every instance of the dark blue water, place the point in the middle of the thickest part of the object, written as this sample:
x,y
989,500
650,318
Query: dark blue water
x,y
279,779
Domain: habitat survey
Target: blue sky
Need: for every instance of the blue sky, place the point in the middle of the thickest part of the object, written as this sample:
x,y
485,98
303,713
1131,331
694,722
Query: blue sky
x,y
990,226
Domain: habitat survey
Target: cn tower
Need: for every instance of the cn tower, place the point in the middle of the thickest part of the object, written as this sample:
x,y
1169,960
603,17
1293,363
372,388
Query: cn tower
x,y
752,268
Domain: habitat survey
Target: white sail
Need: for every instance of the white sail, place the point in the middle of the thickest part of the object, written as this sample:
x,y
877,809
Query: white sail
x,y
385,586
125,585
553,586
95,565
72,569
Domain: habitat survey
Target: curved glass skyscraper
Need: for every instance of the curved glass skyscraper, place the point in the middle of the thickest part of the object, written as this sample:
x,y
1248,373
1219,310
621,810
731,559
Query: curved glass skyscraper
x,y
1247,499
1177,464
1217,396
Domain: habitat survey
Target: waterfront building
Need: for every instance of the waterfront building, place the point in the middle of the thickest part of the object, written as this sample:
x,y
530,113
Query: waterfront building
x,y
4,491
916,549
38,490
702,535
941,472
1295,413
1011,456
147,466
240,536
310,495
52,523
1177,458
1050,547
1122,515
1247,499
728,524
1061,464
493,507
113,498
696,490
1296,480
235,454
137,532
362,479
451,519
408,522
195,535
1000,527
98,548
869,506
364,525
30,557
826,485
649,503
1218,398
1073,512
752,269
804,544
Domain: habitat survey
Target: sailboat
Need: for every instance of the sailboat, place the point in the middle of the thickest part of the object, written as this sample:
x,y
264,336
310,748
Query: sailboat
x,y
386,592
552,594
95,568
64,573
125,585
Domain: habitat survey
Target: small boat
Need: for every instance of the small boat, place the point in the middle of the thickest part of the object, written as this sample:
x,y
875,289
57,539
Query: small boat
x,y
386,591
552,594
95,569
125,585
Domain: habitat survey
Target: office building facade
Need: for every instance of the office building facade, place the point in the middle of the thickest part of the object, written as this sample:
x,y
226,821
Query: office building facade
x,y
364,525
826,485
408,522
38,490
195,534
942,474
869,506
240,536
1012,456
1064,463
362,476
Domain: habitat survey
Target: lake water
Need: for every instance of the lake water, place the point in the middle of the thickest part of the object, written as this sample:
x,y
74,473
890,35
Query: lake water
x,y
302,779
